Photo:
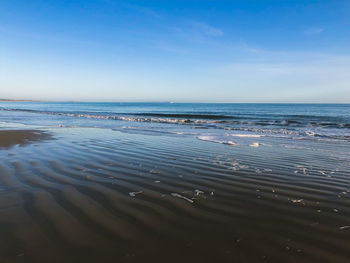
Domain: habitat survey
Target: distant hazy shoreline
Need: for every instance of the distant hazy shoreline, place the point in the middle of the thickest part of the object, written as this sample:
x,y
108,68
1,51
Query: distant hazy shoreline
x,y
167,102
19,100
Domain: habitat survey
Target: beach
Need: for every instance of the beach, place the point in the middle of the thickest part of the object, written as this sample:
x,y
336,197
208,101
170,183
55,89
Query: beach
x,y
174,131
101,195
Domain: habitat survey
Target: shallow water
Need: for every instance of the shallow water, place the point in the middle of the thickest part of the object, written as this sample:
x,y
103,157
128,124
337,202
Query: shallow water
x,y
215,121
100,195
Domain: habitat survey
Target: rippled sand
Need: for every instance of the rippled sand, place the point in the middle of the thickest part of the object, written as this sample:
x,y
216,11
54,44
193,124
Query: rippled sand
x,y
104,196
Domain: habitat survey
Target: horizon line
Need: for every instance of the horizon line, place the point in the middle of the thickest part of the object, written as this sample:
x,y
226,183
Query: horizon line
x,y
170,102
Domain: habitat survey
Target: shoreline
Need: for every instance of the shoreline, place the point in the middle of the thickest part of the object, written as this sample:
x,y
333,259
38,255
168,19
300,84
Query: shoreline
x,y
14,100
178,102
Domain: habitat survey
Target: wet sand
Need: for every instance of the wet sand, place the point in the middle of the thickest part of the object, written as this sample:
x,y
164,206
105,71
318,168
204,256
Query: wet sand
x,y
105,196
10,138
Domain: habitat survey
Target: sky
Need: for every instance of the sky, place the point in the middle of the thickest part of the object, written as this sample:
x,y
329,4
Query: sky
x,y
179,50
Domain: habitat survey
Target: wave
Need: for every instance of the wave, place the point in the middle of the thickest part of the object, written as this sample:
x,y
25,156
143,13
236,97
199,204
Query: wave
x,y
188,116
184,118
247,135
258,126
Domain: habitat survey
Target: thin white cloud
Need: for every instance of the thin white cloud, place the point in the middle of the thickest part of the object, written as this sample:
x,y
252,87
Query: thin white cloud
x,y
322,66
145,10
313,31
207,29
172,49
325,79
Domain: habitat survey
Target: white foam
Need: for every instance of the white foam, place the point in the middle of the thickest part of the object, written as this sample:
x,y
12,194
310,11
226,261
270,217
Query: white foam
x,y
247,135
310,133
133,194
210,138
182,197
198,192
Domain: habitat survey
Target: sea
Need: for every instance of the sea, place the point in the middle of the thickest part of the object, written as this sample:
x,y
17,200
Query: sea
x,y
224,123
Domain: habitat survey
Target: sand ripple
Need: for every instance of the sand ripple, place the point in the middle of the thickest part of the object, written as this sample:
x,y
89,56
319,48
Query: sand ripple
x,y
116,198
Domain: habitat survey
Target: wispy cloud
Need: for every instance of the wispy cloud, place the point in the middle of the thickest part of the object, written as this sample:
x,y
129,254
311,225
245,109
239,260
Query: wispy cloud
x,y
172,49
313,31
144,10
207,29
320,73
14,32
325,78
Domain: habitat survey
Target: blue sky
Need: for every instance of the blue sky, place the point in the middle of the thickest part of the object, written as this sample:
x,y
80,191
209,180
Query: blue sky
x,y
180,50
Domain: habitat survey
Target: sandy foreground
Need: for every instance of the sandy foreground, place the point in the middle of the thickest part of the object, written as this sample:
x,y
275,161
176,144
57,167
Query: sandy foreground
x,y
97,195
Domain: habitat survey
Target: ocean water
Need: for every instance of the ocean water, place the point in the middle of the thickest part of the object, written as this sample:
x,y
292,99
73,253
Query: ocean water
x,y
229,124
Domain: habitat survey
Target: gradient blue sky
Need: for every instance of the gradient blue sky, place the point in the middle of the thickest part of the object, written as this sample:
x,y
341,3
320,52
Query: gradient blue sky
x,y
180,50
